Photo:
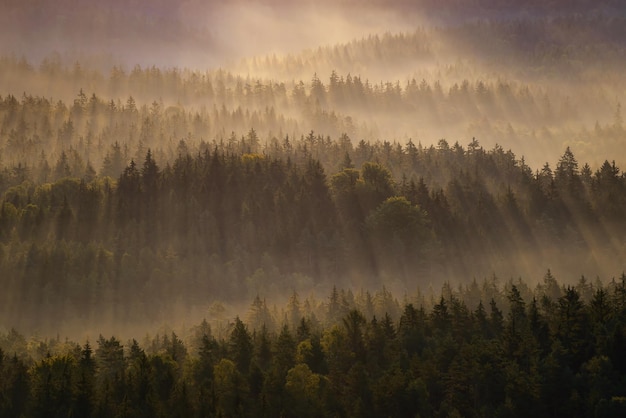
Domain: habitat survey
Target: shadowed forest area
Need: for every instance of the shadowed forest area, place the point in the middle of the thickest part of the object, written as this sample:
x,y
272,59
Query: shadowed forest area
x,y
224,223
549,351
396,186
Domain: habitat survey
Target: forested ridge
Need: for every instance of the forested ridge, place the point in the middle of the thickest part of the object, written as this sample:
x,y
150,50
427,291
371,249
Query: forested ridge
x,y
531,84
316,208
481,350
304,214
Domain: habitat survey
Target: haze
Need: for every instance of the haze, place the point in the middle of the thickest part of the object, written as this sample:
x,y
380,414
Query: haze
x,y
498,122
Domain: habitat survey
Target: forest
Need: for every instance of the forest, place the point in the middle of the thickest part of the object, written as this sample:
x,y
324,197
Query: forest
x,y
225,222
483,350
330,208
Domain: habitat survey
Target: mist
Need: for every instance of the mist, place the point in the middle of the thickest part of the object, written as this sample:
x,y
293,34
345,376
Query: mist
x,y
477,104
313,208
190,34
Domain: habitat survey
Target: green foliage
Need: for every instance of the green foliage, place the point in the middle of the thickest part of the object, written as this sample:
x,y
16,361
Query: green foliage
x,y
211,224
241,346
437,360
166,190
400,228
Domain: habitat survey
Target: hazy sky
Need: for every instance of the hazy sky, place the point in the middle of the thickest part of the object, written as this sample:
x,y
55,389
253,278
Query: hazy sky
x,y
265,28
189,33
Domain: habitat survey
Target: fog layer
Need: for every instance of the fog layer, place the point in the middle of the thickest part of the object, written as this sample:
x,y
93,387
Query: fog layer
x,y
158,157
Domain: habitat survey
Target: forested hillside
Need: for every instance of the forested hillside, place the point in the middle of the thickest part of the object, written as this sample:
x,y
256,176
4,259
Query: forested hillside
x,y
536,86
223,221
150,192
315,208
482,350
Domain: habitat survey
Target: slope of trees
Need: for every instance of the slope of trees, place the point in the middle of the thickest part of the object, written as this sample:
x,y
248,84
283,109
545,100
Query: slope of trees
x,y
482,350
536,83
224,219
132,197
36,133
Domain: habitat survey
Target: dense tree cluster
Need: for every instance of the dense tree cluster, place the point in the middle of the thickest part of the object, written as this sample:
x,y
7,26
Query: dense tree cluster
x,y
531,48
532,82
482,350
226,219
43,140
146,196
